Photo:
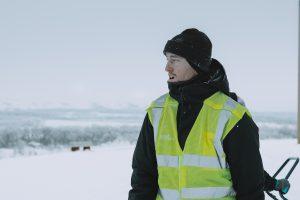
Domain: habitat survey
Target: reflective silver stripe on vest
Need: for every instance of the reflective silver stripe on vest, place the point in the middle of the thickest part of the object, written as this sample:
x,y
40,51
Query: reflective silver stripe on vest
x,y
167,161
207,192
223,119
168,194
230,104
189,160
156,114
159,102
201,161
241,101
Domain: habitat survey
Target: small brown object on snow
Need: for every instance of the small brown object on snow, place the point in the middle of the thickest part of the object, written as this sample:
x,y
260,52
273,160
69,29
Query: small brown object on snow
x,y
86,148
75,148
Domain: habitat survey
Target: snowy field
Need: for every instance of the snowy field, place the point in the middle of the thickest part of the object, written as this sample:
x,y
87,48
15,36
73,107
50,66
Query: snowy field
x,y
103,173
38,131
36,164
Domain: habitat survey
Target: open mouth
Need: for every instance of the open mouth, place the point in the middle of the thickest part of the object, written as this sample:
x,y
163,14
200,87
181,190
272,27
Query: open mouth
x,y
171,77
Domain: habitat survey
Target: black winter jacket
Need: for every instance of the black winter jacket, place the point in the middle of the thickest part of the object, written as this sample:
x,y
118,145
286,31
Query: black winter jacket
x,y
241,145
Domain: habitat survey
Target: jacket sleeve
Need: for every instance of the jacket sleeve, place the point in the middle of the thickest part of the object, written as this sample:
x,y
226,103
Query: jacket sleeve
x,y
241,147
269,182
144,176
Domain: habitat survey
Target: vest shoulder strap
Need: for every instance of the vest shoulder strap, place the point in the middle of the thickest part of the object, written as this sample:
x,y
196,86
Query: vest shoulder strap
x,y
154,110
221,101
159,102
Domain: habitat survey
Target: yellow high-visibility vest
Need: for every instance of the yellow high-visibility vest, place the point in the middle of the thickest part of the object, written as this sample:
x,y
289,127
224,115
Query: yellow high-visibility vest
x,y
200,170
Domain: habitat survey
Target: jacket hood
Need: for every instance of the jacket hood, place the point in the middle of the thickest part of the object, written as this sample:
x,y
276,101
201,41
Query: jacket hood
x,y
218,77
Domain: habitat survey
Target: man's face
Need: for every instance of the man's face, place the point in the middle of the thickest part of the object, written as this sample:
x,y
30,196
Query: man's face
x,y
178,68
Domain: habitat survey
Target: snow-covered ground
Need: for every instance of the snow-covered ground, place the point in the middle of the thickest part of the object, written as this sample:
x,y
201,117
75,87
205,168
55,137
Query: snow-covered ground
x,y
274,153
103,173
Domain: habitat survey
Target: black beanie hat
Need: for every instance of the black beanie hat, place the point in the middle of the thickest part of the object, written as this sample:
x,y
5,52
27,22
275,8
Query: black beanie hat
x,y
194,46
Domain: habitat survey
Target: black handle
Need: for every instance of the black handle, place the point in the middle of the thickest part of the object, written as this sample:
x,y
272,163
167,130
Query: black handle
x,y
284,164
286,177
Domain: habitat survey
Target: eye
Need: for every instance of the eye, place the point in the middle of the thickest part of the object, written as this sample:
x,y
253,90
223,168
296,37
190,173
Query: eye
x,y
172,61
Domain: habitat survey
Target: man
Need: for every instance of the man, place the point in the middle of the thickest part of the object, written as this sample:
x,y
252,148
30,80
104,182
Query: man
x,y
197,141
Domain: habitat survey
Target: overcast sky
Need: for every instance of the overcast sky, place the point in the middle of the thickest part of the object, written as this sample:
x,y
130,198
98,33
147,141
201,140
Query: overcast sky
x,y
82,53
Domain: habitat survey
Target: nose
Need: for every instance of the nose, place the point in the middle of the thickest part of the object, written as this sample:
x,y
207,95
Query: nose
x,y
169,68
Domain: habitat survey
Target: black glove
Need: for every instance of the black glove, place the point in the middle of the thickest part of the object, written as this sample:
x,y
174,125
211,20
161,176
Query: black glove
x,y
282,185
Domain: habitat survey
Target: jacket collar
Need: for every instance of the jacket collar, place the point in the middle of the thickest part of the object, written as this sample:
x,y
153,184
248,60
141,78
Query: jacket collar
x,y
202,86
